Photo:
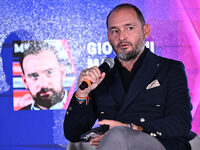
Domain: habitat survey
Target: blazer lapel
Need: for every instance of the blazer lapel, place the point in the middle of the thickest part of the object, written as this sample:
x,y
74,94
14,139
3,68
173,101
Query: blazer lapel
x,y
145,74
115,86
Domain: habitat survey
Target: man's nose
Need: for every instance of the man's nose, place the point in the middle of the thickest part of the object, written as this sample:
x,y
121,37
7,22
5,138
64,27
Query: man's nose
x,y
43,81
122,36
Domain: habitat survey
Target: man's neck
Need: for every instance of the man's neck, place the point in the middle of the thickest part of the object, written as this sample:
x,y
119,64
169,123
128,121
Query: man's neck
x,y
42,107
129,64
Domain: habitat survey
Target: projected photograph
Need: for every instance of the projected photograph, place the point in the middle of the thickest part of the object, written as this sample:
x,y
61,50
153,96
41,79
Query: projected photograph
x,y
43,75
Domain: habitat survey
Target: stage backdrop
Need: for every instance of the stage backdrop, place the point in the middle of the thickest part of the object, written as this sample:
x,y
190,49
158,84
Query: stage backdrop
x,y
78,28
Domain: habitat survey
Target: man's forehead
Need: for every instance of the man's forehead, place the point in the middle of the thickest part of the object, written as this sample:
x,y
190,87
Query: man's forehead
x,y
42,61
43,54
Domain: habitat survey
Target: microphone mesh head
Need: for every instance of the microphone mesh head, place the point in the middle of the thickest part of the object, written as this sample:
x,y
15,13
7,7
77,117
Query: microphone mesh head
x,y
110,62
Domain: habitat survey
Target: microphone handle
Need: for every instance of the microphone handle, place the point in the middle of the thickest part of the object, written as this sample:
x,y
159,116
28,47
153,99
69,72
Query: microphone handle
x,y
83,85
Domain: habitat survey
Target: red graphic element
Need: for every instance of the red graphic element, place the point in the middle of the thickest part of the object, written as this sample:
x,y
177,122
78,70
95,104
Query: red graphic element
x,y
17,69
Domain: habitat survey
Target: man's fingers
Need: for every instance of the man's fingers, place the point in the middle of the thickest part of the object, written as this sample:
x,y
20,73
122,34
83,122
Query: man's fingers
x,y
96,141
112,123
105,122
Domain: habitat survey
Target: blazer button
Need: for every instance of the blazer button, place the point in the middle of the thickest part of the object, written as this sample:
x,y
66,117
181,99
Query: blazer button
x,y
153,134
159,133
142,120
70,109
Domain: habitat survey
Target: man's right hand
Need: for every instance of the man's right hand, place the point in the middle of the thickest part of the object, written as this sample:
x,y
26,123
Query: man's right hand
x,y
97,140
94,75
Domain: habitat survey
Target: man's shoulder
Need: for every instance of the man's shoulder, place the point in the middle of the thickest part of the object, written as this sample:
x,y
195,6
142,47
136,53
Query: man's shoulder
x,y
168,65
171,62
28,107
162,58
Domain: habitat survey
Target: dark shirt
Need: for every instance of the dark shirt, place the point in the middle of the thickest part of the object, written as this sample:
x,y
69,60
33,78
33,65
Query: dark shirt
x,y
126,76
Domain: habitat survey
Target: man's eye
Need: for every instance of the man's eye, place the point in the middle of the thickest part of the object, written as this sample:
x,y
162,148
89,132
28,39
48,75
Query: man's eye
x,y
130,28
49,72
33,75
114,31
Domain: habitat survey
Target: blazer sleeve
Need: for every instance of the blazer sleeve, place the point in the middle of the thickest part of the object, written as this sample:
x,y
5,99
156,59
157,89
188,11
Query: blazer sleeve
x,y
177,115
79,119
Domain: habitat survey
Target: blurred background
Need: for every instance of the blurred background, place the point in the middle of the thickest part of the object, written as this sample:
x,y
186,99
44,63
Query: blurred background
x,y
78,28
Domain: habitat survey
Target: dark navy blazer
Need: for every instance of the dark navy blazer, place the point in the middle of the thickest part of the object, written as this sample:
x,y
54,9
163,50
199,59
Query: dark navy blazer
x,y
164,110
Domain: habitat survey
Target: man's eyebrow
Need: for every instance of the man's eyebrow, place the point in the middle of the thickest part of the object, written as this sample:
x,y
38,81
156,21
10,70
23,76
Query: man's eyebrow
x,y
129,24
112,27
126,25
49,69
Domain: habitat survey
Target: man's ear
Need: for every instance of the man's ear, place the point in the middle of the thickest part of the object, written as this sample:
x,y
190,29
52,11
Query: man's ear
x,y
24,81
147,30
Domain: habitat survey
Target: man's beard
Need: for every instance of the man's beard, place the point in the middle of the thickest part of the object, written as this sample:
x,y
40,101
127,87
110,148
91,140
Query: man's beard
x,y
46,100
131,55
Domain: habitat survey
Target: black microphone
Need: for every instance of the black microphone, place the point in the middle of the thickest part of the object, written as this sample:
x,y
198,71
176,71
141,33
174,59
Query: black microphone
x,y
104,67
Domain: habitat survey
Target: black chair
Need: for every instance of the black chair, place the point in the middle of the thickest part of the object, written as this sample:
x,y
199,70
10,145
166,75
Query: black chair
x,y
194,140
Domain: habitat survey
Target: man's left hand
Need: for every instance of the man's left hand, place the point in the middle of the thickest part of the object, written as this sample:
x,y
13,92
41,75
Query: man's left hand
x,y
112,123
